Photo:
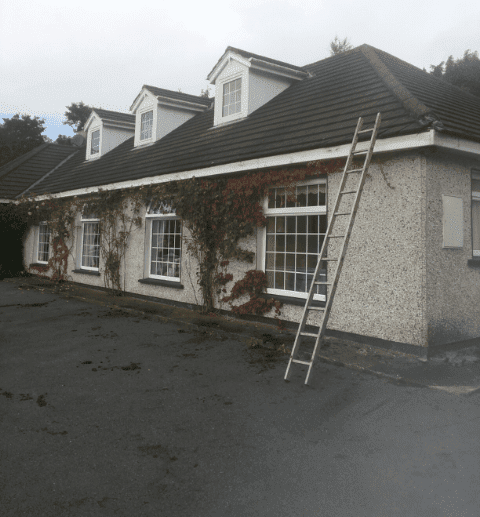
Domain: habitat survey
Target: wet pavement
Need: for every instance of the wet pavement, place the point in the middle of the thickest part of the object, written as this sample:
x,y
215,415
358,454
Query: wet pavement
x,y
106,410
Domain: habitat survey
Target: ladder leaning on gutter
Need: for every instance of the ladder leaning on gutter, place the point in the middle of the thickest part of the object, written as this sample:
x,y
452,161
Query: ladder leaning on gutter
x,y
332,285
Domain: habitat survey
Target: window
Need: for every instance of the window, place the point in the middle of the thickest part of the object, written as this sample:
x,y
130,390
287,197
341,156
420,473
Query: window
x,y
90,241
296,227
43,243
95,144
146,122
232,98
165,247
476,214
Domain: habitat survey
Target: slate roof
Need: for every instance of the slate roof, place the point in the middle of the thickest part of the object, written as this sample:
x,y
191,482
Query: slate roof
x,y
21,173
161,92
320,111
114,116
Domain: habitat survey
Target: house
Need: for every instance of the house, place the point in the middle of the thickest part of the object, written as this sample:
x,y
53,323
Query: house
x,y
411,277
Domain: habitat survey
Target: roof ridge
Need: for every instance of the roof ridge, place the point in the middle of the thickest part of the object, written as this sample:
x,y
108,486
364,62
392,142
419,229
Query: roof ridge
x,y
414,106
16,162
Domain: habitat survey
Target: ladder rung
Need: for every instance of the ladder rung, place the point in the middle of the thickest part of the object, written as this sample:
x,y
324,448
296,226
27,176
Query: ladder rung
x,y
366,130
335,236
349,192
342,213
308,363
328,259
354,170
312,308
360,152
309,334
317,282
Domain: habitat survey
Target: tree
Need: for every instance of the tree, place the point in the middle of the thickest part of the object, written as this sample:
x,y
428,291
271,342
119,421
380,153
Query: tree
x,y
63,140
77,114
205,93
463,72
19,135
338,46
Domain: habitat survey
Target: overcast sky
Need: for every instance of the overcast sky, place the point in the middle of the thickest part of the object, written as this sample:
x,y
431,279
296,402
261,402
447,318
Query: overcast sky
x,y
53,52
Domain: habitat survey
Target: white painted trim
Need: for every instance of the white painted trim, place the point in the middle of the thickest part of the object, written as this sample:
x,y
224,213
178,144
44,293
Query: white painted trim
x,y
398,143
231,56
11,201
453,142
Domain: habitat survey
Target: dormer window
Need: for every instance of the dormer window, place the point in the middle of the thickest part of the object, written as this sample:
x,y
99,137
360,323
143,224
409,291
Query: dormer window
x,y
232,98
146,125
95,148
105,130
244,82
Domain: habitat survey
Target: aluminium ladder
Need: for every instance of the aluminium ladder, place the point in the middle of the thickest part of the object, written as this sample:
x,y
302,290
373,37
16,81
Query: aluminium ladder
x,y
325,311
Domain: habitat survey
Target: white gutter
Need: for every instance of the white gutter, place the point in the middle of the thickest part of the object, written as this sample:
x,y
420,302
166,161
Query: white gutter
x,y
398,143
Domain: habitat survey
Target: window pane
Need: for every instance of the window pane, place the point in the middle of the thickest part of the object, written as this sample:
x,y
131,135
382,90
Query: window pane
x,y
232,94
146,123
166,248
476,225
293,241
95,144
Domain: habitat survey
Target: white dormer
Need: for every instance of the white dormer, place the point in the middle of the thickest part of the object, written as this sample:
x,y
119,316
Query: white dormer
x,y
106,130
244,82
159,111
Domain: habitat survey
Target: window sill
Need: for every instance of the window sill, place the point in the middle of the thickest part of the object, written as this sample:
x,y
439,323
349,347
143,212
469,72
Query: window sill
x,y
163,283
291,300
39,264
474,262
85,272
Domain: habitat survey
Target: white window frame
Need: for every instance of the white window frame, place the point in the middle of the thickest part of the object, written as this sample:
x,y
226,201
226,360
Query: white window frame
x,y
86,221
219,119
142,113
37,244
149,218
308,210
90,155
475,197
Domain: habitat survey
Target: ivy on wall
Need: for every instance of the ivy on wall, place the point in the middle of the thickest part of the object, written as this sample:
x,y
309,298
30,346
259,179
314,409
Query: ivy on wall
x,y
218,212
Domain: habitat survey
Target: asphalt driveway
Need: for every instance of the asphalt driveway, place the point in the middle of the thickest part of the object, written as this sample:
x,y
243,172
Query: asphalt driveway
x,y
105,412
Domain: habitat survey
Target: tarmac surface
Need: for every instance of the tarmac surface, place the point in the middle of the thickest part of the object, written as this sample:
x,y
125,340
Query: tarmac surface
x,y
115,406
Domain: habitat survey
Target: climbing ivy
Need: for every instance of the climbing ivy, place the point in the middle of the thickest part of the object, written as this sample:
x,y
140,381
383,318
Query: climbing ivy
x,y
218,213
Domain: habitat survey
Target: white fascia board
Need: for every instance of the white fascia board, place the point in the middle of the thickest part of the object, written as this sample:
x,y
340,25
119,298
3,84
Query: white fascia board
x,y
119,125
212,77
9,201
177,103
455,143
138,100
398,143
89,120
272,68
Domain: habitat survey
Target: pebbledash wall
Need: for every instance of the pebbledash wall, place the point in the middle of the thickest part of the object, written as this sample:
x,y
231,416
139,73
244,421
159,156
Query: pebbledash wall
x,y
397,283
453,279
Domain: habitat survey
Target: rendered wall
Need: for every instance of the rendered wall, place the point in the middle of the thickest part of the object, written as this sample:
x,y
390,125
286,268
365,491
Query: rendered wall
x,y
112,137
382,290
453,287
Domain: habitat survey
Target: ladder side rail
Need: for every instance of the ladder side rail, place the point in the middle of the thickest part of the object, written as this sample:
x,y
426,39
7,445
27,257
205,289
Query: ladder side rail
x,y
309,299
350,224
339,266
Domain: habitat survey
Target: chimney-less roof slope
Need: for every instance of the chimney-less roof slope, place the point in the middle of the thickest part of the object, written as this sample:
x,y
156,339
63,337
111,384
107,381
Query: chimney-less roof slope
x,y
318,112
21,173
